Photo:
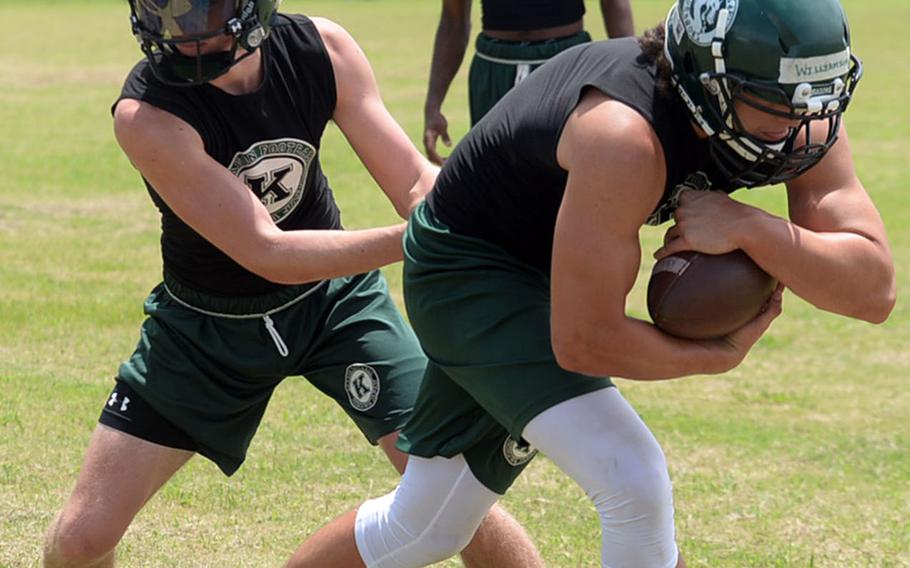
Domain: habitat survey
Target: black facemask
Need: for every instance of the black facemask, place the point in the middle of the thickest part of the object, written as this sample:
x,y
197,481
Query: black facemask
x,y
162,26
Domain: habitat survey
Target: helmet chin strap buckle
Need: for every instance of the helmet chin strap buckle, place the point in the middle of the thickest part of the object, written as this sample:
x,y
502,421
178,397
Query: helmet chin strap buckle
x,y
254,37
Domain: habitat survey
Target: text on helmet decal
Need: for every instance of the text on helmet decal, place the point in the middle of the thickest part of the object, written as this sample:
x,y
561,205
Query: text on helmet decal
x,y
813,69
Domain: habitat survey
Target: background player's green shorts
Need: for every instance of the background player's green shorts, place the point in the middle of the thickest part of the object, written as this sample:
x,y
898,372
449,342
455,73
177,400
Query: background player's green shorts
x,y
212,376
483,319
498,65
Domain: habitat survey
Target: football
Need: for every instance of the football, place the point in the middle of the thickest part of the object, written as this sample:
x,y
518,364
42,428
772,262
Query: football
x,y
701,296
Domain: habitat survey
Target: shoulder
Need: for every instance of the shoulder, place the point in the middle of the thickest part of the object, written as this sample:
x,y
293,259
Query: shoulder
x,y
337,40
601,126
139,124
348,60
141,81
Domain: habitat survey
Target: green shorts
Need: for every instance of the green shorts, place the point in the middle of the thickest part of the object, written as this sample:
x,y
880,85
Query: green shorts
x,y
483,319
208,365
499,65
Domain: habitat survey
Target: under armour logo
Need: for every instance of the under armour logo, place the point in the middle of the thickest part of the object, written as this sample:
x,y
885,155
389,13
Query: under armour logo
x,y
123,404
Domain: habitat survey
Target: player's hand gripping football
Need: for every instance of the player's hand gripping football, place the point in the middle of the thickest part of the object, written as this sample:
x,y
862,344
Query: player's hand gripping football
x,y
706,221
741,341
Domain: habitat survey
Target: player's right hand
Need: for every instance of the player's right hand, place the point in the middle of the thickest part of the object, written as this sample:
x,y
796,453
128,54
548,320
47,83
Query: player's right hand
x,y
435,126
741,341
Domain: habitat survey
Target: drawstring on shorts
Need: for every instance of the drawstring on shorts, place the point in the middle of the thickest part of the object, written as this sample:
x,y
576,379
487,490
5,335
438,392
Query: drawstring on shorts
x,y
280,345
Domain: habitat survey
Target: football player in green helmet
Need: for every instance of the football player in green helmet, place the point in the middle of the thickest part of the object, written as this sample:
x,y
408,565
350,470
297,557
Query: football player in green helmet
x,y
519,263
786,59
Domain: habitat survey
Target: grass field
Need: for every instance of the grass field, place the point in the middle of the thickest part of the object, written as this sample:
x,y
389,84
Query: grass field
x,y
797,458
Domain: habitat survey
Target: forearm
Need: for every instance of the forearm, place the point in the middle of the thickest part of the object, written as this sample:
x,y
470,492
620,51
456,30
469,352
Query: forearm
x,y
618,19
295,257
427,173
448,52
634,349
841,272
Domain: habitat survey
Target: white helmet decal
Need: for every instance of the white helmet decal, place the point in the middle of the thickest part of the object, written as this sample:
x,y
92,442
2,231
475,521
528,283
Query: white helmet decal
x,y
700,18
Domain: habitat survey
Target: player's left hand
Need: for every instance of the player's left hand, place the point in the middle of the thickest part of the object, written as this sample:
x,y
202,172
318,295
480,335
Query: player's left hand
x,y
707,222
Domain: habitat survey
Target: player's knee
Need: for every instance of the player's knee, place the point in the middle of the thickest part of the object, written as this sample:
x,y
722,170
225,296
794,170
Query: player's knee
x,y
392,531
636,514
637,487
439,543
71,541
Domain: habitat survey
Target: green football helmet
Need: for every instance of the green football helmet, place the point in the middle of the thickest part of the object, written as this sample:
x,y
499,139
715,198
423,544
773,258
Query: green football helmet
x,y
162,26
789,58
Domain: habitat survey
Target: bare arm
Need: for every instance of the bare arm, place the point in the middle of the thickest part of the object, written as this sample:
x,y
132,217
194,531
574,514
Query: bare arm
x,y
833,252
216,204
596,254
617,16
388,154
449,48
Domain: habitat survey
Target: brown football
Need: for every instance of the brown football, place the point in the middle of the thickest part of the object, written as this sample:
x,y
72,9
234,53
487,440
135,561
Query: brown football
x,y
701,296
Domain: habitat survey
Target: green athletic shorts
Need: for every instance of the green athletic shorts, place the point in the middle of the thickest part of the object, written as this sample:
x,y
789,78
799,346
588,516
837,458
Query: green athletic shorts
x,y
483,319
499,65
208,365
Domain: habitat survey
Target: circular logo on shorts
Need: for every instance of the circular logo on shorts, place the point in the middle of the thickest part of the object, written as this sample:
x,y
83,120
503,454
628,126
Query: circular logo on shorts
x,y
517,454
700,18
361,382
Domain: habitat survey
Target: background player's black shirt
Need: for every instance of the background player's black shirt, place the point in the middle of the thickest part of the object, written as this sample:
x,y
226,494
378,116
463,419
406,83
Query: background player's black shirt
x,y
269,138
503,183
520,15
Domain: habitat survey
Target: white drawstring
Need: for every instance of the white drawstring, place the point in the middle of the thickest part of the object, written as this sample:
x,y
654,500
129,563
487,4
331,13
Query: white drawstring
x,y
521,72
269,324
276,337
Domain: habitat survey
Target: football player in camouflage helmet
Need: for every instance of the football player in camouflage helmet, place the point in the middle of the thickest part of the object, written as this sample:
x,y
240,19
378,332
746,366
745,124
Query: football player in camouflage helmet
x,y
788,59
224,118
172,32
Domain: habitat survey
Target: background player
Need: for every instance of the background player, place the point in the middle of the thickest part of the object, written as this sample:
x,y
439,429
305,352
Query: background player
x,y
517,37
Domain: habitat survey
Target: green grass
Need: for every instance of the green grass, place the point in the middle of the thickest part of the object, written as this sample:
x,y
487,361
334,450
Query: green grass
x,y
799,457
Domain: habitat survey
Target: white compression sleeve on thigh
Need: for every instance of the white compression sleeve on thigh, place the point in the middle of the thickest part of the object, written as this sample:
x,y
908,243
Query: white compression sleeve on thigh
x,y
431,516
601,443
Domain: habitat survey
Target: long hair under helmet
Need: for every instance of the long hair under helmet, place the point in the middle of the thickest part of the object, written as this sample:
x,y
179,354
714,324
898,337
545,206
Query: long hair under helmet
x,y
789,58
162,26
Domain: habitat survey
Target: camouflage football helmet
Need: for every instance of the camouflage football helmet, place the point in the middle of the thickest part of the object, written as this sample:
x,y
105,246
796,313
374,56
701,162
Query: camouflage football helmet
x,y
789,58
162,26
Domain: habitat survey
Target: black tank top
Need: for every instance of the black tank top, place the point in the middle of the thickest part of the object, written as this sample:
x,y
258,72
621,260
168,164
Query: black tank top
x,y
503,183
268,138
524,15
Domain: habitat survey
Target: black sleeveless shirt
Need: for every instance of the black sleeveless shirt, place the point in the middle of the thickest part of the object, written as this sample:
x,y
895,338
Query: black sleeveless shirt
x,y
523,15
268,138
503,184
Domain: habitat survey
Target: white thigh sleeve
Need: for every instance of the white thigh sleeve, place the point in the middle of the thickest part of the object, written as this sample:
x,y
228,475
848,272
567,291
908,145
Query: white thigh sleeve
x,y
431,516
601,443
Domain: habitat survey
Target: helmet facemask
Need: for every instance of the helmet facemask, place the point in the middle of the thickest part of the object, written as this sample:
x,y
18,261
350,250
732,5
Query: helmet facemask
x,y
810,92
750,160
163,27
